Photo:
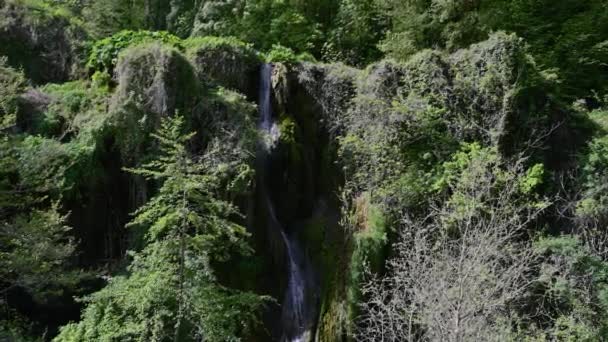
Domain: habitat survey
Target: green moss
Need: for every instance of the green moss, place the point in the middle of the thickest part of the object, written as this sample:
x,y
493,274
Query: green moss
x,y
235,102
290,137
154,80
287,127
227,43
368,254
326,246
101,80
315,236
334,320
343,265
369,243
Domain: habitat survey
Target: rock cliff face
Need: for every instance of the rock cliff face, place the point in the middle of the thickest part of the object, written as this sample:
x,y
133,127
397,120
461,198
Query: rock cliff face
x,y
351,124
153,81
225,62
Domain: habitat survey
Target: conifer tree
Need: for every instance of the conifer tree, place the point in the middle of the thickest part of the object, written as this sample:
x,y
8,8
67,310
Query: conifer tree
x,y
170,291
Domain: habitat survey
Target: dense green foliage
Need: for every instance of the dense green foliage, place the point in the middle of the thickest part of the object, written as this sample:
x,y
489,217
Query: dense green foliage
x,y
593,206
361,31
223,61
573,286
35,244
443,165
170,288
104,53
567,37
12,83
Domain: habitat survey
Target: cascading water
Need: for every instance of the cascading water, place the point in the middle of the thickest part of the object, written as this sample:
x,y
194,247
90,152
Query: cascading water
x,y
267,125
296,311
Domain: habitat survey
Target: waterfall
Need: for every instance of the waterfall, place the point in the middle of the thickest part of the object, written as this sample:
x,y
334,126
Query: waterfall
x,y
269,128
296,313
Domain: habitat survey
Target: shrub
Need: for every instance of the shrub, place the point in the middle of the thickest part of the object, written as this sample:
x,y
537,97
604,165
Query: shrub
x,y
593,163
73,107
282,54
458,271
369,248
104,53
572,288
212,42
12,83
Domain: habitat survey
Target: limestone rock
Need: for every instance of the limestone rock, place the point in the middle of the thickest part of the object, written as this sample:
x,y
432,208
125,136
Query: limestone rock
x,y
153,81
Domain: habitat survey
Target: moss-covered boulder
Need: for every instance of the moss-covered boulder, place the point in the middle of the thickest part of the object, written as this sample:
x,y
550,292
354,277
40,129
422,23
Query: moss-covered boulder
x,y
490,85
227,62
44,41
154,81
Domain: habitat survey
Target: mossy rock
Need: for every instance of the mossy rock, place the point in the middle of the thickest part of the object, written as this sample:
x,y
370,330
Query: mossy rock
x,y
226,62
426,75
46,44
332,86
154,81
381,79
484,81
